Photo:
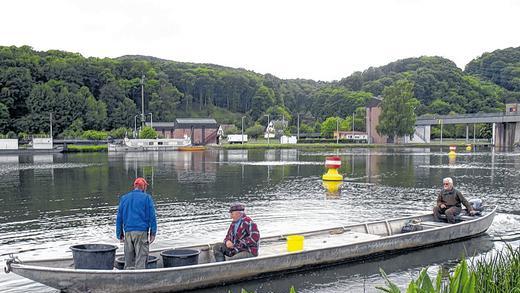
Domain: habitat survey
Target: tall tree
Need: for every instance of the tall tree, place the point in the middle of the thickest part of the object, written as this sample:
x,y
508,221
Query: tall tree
x,y
124,114
398,117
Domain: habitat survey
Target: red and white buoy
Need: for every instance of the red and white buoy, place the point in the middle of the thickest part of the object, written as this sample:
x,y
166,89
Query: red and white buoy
x,y
332,164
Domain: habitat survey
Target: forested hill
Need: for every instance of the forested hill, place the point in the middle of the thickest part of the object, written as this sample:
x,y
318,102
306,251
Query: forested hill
x,y
103,93
501,67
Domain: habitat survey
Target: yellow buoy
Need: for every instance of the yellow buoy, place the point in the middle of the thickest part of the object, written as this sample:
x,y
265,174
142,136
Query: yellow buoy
x,y
452,151
295,243
468,148
332,164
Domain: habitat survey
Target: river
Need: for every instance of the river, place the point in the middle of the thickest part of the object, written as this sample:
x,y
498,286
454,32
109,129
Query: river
x,y
50,202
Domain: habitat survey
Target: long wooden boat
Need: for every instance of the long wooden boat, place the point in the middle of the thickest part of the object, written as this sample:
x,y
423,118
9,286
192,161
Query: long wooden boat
x,y
192,148
321,247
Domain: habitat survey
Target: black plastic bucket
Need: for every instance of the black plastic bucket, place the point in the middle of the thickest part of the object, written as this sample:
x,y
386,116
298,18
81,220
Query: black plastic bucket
x,y
94,256
150,264
180,257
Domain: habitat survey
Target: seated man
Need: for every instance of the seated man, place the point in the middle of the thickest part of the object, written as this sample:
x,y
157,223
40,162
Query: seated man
x,y
449,202
242,237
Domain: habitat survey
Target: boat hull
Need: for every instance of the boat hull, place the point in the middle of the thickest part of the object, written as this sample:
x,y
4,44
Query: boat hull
x,y
212,274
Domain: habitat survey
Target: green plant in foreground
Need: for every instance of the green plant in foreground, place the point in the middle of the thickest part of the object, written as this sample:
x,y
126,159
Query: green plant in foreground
x,y
463,280
496,274
292,290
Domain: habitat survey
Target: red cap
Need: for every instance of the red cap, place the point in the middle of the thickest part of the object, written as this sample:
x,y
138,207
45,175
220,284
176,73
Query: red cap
x,y
140,183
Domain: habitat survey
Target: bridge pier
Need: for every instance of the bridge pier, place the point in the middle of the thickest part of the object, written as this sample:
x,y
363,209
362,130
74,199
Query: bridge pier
x,y
506,134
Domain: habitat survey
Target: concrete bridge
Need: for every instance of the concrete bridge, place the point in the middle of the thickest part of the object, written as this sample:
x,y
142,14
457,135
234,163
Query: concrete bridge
x,y
506,126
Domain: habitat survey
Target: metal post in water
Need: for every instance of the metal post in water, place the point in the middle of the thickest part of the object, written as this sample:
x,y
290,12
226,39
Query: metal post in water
x,y
467,133
441,131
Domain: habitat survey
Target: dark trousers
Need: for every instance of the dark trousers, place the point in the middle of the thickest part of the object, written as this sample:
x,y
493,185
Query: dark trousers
x,y
450,212
222,253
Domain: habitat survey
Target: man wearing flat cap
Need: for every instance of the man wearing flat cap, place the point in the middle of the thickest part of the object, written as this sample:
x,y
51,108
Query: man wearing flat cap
x,y
242,237
136,224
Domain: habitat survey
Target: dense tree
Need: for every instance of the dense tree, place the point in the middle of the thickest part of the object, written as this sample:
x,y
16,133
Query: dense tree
x,y
96,114
4,118
332,124
106,93
397,110
255,131
124,114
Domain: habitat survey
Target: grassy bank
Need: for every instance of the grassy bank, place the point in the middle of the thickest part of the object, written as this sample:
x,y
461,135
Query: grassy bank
x,y
500,272
86,148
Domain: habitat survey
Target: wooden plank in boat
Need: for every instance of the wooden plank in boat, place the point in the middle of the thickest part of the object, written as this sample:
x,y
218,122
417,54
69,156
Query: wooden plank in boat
x,y
319,241
435,224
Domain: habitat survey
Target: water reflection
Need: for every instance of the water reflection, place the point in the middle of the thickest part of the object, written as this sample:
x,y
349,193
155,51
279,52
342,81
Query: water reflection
x,y
364,276
51,202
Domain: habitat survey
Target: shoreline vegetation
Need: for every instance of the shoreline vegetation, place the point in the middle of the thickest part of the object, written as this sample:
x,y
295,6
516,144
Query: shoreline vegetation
x,y
493,273
331,144
262,144
86,148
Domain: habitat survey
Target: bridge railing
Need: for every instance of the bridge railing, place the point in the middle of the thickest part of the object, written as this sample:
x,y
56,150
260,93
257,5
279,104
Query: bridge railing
x,y
471,115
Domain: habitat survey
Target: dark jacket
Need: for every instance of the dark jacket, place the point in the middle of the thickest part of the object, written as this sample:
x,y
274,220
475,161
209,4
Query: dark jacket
x,y
451,198
246,238
136,212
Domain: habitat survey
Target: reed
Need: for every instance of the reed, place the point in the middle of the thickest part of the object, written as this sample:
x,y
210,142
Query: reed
x,y
86,148
493,273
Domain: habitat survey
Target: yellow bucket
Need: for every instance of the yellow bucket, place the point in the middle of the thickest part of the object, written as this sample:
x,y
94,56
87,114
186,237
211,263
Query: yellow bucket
x,y
295,243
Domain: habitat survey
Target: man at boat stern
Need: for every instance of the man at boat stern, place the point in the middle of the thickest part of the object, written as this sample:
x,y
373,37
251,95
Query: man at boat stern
x,y
136,224
242,237
449,202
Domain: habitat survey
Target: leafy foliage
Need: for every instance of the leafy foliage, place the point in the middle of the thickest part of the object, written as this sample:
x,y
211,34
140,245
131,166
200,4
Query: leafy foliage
x,y
106,93
148,133
499,273
398,110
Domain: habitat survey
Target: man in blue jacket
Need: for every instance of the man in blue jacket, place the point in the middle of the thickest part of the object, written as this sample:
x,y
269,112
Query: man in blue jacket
x,y
136,224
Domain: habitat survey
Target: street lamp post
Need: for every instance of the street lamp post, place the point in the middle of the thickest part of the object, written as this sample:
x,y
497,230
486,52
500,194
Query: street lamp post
x,y
353,122
298,126
151,119
135,124
242,137
143,121
337,130
267,128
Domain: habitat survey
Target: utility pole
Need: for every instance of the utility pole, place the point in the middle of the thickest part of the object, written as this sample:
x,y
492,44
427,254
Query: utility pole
x,y
50,121
298,126
353,122
268,134
242,137
337,130
143,119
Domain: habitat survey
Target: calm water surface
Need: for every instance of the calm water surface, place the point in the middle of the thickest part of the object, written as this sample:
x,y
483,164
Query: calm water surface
x,y
50,202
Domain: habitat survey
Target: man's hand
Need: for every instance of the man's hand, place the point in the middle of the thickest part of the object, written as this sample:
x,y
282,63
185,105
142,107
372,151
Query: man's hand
x,y
472,212
122,238
442,206
152,238
229,244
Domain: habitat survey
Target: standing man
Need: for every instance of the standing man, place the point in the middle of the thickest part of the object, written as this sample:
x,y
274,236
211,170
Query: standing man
x,y
449,202
136,224
242,237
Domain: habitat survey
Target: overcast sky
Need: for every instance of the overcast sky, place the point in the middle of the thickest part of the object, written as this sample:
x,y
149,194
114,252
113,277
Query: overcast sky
x,y
321,40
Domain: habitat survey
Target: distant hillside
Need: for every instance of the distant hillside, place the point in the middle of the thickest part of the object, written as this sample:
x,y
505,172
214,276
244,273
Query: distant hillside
x,y
103,93
501,67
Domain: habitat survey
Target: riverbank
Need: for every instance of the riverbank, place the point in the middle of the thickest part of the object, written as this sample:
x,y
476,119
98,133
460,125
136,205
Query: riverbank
x,y
262,144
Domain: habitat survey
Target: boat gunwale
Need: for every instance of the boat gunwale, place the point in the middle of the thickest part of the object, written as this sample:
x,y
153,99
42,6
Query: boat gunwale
x,y
16,265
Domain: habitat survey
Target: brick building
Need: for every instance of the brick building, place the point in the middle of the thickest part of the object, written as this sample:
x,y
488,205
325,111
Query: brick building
x,y
201,130
373,110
